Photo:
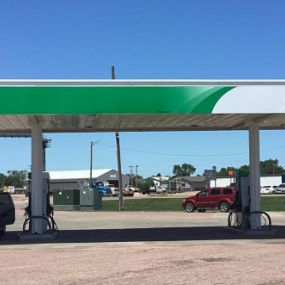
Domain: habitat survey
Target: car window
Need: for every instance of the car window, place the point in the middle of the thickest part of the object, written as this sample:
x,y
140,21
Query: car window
x,y
216,191
228,191
203,194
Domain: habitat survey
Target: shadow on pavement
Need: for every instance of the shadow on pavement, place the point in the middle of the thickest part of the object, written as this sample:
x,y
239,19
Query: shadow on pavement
x,y
148,234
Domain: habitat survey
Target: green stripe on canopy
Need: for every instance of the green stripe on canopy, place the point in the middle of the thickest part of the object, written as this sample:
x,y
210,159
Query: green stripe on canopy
x,y
109,99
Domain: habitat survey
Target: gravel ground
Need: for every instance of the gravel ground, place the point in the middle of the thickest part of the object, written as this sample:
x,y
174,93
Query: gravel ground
x,y
231,262
220,261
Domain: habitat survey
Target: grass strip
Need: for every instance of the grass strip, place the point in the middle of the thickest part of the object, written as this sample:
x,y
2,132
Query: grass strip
x,y
174,204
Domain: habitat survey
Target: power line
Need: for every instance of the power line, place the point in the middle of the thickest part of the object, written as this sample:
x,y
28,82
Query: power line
x,y
172,154
190,155
275,147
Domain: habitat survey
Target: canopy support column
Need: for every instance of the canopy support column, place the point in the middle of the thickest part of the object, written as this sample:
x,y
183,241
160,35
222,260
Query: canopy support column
x,y
254,173
37,225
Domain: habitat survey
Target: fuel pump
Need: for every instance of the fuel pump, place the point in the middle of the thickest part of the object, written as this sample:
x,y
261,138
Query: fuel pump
x,y
241,215
244,192
47,213
241,207
45,183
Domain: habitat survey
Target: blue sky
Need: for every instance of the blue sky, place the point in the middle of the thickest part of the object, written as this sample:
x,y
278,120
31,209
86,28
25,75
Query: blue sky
x,y
145,40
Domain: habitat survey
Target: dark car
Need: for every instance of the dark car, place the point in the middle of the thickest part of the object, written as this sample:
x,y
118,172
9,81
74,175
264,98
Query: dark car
x,y
218,197
7,211
279,189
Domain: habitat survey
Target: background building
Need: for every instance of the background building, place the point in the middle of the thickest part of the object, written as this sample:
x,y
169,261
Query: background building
x,y
161,183
266,180
189,183
75,179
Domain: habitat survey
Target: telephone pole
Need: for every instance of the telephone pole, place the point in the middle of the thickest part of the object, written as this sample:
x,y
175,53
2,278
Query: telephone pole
x,y
131,174
136,184
91,161
121,198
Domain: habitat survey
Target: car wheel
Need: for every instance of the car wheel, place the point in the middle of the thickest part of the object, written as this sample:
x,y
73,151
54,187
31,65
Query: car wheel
x,y
224,207
189,207
201,210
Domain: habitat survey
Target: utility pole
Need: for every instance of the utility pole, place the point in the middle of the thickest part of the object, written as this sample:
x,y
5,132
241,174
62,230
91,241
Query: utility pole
x,y
131,174
121,198
91,161
136,184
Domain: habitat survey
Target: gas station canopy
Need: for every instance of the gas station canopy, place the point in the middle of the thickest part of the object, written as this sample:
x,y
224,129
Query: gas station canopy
x,y
31,107
140,105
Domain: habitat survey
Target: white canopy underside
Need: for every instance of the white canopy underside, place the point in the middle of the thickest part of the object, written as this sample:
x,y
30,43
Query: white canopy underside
x,y
10,124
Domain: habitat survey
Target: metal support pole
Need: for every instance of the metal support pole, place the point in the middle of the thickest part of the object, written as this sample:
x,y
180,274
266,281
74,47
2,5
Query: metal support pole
x,y
136,184
254,173
131,175
91,164
38,225
46,144
44,154
121,198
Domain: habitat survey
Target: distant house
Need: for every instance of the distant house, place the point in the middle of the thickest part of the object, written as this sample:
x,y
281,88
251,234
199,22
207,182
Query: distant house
x,y
75,179
161,183
189,183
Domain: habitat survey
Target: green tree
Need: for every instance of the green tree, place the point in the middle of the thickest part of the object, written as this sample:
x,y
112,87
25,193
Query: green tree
x,y
145,184
270,166
2,179
222,172
243,171
267,167
184,169
137,179
225,171
15,178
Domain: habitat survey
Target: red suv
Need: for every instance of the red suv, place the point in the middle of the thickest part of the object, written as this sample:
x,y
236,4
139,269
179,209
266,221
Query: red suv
x,y
217,197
